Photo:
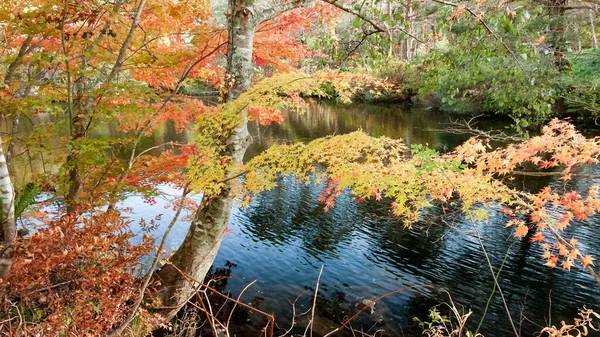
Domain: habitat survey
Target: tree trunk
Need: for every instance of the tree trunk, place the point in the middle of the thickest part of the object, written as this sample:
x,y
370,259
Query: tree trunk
x,y
197,252
593,27
12,67
78,132
83,114
9,229
390,51
13,136
406,44
556,12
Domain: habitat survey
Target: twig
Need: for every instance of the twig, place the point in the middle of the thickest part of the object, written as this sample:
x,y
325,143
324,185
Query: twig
x,y
487,27
497,284
51,287
550,174
365,36
235,304
293,318
487,305
218,293
371,21
487,258
468,127
368,305
312,312
156,147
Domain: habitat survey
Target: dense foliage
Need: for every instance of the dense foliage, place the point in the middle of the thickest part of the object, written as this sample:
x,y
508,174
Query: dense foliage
x,y
530,60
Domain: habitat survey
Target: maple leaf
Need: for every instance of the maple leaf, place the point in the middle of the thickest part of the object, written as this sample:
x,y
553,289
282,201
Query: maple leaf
x,y
521,231
538,237
552,261
573,254
566,177
567,264
513,222
563,250
588,260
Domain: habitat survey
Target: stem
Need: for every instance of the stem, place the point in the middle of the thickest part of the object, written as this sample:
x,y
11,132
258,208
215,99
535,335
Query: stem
x,y
312,311
487,305
497,285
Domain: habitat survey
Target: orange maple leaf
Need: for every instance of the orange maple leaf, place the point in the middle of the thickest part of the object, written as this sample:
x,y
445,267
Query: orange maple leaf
x,y
521,231
588,260
552,260
567,264
538,237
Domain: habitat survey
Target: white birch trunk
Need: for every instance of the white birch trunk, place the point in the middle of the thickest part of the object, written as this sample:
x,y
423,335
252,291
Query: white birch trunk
x,y
9,229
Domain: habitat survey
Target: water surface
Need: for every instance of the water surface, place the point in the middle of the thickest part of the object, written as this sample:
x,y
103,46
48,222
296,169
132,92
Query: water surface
x,y
284,238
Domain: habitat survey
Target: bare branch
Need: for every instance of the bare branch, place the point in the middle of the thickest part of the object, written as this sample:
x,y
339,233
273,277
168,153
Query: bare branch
x,y
487,27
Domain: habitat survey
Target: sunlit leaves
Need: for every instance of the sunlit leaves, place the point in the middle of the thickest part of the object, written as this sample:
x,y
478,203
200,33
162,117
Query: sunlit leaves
x,y
418,181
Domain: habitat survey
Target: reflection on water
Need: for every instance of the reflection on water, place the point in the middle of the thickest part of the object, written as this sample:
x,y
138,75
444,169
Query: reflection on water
x,y
284,237
323,119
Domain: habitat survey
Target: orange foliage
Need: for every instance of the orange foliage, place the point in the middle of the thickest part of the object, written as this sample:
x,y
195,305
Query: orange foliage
x,y
167,168
559,146
77,274
276,42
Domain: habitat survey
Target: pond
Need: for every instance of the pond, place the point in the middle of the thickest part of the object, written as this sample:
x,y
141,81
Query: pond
x,y
285,237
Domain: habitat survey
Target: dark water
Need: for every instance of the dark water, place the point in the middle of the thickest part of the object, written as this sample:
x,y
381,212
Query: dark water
x,y
284,238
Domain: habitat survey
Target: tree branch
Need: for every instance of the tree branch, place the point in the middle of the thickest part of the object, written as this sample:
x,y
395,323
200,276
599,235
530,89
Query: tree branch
x,y
381,28
269,13
127,42
487,27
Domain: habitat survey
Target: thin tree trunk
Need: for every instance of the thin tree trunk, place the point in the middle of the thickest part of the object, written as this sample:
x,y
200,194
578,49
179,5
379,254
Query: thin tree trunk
x,y
593,27
408,21
83,117
200,247
390,35
13,136
125,46
9,229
